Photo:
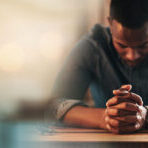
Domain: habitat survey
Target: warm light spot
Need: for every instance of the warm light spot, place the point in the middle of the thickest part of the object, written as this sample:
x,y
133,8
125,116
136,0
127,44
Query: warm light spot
x,y
52,44
11,57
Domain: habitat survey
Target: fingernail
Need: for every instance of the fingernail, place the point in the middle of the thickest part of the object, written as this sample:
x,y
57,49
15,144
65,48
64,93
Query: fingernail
x,y
114,90
124,91
108,127
127,85
121,91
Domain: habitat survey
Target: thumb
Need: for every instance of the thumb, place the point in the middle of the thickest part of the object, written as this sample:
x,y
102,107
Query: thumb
x,y
127,87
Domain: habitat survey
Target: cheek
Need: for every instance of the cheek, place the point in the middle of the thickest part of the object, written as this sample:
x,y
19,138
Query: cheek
x,y
144,52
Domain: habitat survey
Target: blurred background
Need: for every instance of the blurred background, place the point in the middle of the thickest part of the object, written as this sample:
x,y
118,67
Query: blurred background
x,y
35,38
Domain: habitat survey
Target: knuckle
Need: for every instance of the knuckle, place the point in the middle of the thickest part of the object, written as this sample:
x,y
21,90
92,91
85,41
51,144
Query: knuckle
x,y
129,95
107,111
138,117
138,96
106,119
109,99
140,99
117,112
137,107
125,105
116,123
116,99
110,111
112,122
136,126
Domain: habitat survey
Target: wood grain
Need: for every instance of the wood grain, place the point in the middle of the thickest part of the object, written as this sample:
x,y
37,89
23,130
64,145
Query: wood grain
x,y
91,135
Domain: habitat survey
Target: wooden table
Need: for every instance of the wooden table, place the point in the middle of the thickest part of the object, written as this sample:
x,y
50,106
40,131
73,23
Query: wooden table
x,y
62,137
44,135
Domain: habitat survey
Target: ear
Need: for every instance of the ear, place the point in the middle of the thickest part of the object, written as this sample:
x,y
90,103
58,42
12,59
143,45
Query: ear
x,y
109,20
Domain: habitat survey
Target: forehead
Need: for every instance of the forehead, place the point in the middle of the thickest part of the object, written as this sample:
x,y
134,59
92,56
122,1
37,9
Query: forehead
x,y
124,34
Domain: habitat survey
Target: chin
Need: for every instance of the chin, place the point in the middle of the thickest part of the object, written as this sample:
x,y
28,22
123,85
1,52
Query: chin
x,y
133,64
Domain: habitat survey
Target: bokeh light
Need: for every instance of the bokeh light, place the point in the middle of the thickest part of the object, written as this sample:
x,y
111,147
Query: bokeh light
x,y
11,57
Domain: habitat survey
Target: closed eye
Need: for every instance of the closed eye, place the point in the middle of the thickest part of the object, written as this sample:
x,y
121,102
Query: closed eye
x,y
121,45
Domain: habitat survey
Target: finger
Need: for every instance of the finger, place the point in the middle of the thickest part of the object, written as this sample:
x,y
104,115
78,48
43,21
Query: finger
x,y
136,98
123,89
127,106
129,119
119,112
120,92
118,99
114,122
130,95
125,129
127,87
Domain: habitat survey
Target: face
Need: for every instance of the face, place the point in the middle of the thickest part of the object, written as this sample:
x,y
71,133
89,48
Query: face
x,y
130,44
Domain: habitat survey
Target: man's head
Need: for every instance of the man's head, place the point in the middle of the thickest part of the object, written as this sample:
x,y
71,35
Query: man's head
x,y
129,27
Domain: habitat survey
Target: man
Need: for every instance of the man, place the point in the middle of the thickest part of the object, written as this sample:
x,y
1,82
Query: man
x,y
104,61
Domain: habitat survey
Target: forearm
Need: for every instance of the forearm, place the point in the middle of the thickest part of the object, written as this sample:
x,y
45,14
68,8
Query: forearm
x,y
85,117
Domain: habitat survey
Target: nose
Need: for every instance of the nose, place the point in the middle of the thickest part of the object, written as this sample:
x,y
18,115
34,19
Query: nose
x,y
132,54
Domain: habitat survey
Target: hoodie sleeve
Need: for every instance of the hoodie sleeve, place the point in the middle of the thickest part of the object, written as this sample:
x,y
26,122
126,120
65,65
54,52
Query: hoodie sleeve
x,y
73,80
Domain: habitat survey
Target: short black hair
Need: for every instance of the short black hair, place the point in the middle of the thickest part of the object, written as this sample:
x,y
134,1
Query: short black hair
x,y
130,13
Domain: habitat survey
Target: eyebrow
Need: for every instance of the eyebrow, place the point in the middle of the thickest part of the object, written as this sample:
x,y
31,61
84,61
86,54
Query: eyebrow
x,y
120,42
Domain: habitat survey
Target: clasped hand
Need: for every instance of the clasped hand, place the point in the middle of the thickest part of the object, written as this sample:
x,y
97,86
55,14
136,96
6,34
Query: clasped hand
x,y
125,112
